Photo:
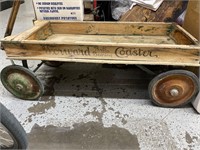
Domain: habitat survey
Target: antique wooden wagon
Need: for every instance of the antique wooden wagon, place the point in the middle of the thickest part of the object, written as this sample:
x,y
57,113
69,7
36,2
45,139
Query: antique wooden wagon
x,y
107,42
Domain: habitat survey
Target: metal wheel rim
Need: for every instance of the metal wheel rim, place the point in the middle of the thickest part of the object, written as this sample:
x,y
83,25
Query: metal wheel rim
x,y
174,89
21,82
7,141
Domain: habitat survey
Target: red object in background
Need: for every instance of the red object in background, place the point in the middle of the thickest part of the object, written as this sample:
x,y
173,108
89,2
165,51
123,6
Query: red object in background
x,y
94,4
96,17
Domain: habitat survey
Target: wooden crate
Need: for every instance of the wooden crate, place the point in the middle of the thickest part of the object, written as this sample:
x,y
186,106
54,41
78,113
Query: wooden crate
x,y
105,42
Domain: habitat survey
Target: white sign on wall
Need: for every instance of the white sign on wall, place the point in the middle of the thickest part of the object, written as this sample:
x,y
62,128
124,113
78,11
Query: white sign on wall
x,y
71,10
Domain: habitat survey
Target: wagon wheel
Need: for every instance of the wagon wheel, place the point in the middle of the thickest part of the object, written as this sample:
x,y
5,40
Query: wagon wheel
x,y
173,88
53,63
21,82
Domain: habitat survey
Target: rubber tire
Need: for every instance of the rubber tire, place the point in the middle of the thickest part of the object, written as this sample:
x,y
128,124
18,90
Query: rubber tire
x,y
14,127
160,76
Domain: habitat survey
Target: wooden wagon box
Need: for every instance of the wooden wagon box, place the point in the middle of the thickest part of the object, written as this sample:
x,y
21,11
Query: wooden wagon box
x,y
105,42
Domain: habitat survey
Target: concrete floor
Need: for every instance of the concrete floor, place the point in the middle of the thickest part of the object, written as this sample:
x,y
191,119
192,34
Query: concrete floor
x,y
93,106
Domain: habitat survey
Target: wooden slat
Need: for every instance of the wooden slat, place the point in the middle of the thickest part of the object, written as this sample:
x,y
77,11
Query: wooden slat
x,y
73,38
41,34
110,28
112,54
169,11
26,34
181,36
100,61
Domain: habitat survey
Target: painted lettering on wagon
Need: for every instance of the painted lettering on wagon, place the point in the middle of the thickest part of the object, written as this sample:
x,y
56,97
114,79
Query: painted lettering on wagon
x,y
67,51
96,51
124,52
93,51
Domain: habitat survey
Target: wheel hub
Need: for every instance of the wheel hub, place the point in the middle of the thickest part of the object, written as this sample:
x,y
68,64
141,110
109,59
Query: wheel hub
x,y
19,87
174,92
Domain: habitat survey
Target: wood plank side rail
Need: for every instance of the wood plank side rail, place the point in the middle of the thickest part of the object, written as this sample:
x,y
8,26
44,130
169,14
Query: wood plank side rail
x,y
105,28
32,44
36,32
181,36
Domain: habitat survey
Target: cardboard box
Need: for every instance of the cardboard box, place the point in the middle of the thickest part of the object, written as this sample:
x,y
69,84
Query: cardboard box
x,y
196,103
191,24
71,10
191,21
